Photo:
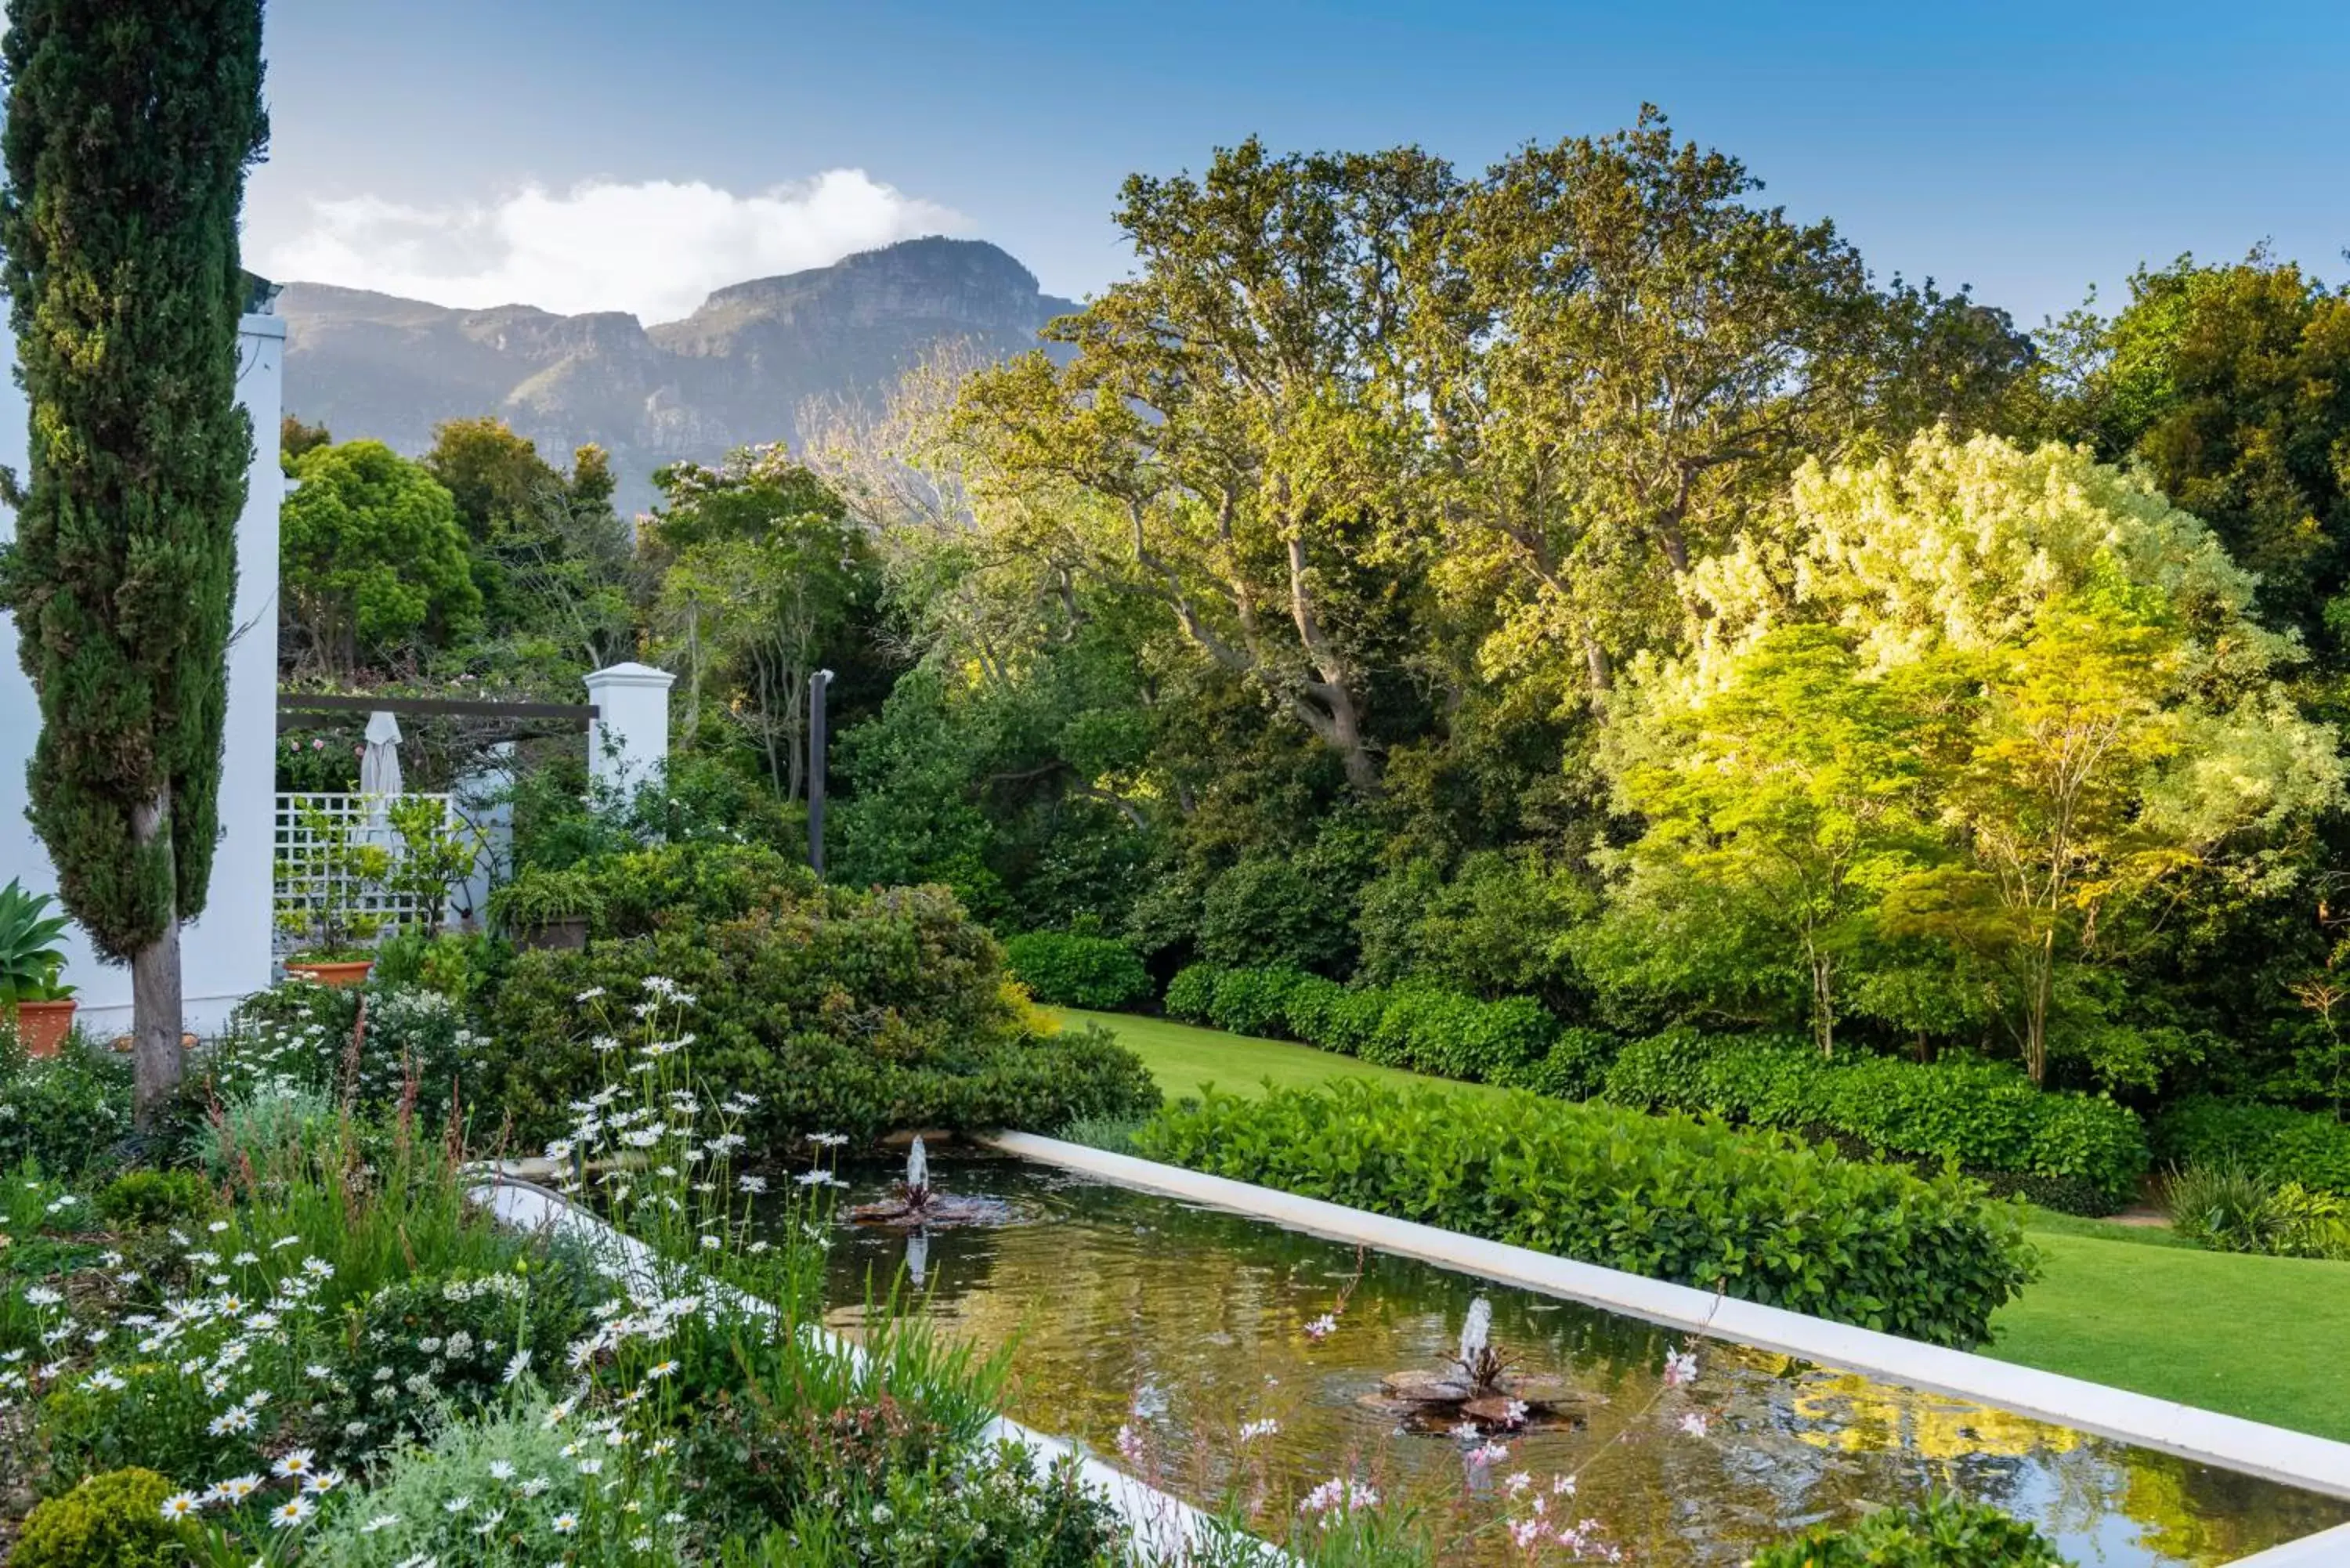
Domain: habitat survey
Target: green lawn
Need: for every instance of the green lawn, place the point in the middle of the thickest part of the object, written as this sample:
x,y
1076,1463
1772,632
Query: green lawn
x,y
2125,1305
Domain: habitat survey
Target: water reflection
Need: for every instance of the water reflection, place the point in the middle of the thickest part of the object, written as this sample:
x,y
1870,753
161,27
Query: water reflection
x,y
1116,1296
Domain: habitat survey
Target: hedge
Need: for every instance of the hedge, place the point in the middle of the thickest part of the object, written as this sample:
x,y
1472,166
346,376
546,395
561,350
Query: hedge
x,y
2082,1153
846,1012
1098,972
1426,1028
2284,1145
1757,1215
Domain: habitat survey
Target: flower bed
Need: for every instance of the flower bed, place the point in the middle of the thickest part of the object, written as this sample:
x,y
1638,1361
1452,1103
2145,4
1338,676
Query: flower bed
x,y
322,1353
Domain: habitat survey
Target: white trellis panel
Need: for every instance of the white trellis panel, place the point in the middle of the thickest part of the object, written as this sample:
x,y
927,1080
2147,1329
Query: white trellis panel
x,y
299,851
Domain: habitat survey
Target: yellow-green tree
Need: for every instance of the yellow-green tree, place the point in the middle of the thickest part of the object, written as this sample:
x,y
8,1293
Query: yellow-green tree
x,y
1784,796
2118,715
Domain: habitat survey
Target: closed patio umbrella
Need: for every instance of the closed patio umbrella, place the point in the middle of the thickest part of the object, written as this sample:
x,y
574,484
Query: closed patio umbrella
x,y
379,763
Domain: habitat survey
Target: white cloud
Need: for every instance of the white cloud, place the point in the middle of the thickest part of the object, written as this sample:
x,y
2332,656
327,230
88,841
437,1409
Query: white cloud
x,y
654,249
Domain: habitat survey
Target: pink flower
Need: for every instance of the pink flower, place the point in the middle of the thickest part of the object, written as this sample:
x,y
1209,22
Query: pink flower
x,y
1339,1495
1129,1445
1321,1327
1680,1370
1694,1423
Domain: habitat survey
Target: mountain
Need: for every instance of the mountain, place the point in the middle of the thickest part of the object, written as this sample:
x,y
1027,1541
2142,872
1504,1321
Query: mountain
x,y
735,373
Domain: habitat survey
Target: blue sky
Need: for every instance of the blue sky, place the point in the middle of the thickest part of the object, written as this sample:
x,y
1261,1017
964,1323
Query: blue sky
x,y
625,155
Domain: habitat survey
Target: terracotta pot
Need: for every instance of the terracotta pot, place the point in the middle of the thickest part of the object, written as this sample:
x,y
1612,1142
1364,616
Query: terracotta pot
x,y
43,1025
339,973
568,934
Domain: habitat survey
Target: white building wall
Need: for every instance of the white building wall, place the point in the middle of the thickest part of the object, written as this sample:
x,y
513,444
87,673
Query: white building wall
x,y
225,955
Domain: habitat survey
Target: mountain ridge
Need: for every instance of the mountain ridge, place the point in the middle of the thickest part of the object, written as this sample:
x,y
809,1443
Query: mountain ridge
x,y
735,371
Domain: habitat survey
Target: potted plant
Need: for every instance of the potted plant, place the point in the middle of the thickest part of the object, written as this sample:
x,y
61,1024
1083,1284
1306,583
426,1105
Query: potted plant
x,y
546,909
41,1009
323,901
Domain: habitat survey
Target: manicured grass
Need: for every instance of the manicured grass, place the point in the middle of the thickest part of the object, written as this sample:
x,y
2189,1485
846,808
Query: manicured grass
x,y
2259,1337
1182,1058
2133,1307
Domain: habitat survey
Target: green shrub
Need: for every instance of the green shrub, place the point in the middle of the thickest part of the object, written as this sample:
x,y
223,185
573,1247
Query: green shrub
x,y
1308,1011
1942,1533
1354,1022
253,1127
1269,911
1113,1135
1098,972
141,1197
993,1509
636,890
458,965
1192,993
848,1011
1573,1068
1457,1037
2232,1208
514,1460
1253,1000
110,1520
440,1343
2076,1152
2307,1147
68,1113
1757,1215
537,898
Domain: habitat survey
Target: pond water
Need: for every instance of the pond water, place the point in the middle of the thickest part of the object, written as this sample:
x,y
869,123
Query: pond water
x,y
1131,1310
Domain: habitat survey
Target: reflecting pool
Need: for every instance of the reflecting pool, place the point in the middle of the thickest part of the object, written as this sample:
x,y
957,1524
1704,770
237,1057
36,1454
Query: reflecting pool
x,y
1183,1326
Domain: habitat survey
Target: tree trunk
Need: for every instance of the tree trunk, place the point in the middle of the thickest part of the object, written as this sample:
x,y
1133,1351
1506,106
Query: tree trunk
x,y
155,1002
2035,1019
155,1025
1824,1003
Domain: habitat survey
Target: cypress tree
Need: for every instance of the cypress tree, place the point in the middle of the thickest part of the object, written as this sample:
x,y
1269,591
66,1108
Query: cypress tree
x,y
130,130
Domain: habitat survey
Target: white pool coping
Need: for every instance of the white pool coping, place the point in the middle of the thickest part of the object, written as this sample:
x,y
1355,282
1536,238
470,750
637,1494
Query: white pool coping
x,y
2230,1442
1165,1525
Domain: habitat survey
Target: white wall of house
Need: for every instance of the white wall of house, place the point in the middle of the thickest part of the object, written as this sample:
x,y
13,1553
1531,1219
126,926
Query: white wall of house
x,y
225,954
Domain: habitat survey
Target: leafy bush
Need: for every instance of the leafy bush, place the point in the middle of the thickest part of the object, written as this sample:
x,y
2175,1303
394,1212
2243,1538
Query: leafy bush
x,y
1493,930
2306,1146
270,1117
515,1463
995,1509
143,1198
1192,993
1066,970
1457,1037
457,965
562,815
1756,1215
446,1342
538,897
1942,1533
68,1113
636,891
2070,1150
1427,1028
856,1013
2232,1208
110,1520
1270,909
1573,1068
1253,1000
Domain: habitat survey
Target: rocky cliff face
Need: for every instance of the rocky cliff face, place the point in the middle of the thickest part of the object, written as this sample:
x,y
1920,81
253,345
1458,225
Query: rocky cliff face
x,y
736,372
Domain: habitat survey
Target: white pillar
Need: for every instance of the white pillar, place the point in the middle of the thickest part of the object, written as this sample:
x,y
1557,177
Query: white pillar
x,y
628,743
225,955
